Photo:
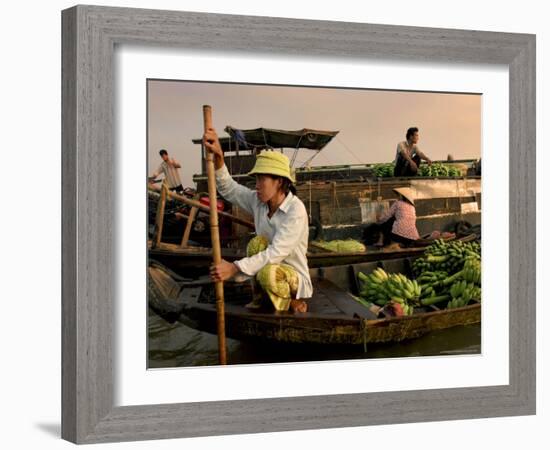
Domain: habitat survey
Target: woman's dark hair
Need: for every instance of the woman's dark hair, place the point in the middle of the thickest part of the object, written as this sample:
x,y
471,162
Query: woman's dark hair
x,y
411,131
163,152
288,186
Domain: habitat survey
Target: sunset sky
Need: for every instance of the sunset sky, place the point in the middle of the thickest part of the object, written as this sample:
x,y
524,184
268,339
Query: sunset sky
x,y
370,122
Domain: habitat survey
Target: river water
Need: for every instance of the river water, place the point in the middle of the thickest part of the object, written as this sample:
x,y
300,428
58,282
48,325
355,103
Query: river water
x,y
177,345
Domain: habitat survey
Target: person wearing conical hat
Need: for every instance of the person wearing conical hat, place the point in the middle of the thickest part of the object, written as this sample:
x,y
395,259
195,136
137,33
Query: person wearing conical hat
x,y
280,266
398,224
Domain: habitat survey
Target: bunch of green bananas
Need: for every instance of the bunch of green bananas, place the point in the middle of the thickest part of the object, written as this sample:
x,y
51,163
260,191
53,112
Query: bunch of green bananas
x,y
446,256
471,272
432,289
373,286
462,292
403,291
449,271
380,288
383,170
439,170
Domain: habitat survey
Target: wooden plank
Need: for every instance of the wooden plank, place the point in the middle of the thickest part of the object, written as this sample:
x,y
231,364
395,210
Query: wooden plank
x,y
199,205
344,301
159,221
188,225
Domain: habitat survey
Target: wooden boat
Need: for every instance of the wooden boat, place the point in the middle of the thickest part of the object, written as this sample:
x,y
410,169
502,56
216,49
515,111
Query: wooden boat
x,y
191,261
334,316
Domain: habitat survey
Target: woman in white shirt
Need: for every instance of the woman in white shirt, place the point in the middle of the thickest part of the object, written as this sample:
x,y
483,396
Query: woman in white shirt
x,y
280,217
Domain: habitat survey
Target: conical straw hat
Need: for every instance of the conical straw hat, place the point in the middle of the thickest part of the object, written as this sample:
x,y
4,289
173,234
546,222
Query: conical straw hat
x,y
406,192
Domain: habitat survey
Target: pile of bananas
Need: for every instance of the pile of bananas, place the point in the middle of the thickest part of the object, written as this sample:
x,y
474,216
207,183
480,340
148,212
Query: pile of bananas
x,y
471,272
383,170
462,292
380,287
439,170
449,272
446,256
373,286
432,288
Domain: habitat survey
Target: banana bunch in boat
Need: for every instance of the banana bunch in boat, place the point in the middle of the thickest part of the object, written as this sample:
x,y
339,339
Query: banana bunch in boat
x,y
372,286
439,170
381,288
462,292
446,256
465,285
384,170
432,288
471,272
403,291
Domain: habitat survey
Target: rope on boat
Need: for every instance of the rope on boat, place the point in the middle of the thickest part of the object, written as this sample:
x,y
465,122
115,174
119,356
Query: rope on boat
x,y
459,199
335,202
348,149
309,182
296,151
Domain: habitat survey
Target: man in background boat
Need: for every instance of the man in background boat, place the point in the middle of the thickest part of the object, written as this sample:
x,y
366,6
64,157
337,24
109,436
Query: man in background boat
x,y
281,221
408,156
398,224
169,167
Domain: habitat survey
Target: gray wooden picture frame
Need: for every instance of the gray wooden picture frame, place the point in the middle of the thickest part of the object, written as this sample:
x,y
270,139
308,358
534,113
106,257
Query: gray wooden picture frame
x,y
90,34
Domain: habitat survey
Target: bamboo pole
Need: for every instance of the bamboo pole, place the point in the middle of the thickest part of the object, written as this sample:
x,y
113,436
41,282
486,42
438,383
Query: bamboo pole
x,y
187,232
215,237
159,222
199,205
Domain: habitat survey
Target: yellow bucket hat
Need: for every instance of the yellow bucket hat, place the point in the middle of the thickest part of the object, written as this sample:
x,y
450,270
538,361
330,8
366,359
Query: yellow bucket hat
x,y
272,163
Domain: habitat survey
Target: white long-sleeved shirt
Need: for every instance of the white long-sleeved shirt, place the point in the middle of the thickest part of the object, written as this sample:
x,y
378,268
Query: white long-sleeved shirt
x,y
287,230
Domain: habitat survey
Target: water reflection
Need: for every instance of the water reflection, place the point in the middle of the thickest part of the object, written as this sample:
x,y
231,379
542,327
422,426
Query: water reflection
x,y
177,345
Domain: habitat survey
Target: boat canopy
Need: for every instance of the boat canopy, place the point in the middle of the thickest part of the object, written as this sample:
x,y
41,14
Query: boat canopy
x,y
262,138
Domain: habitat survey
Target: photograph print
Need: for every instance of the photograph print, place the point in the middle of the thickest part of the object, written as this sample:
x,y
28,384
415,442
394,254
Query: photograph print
x,y
293,224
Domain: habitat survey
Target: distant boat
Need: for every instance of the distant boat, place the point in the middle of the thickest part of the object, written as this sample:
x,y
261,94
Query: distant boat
x,y
194,260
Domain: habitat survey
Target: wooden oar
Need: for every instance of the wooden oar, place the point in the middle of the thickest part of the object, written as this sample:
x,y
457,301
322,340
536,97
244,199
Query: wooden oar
x,y
215,237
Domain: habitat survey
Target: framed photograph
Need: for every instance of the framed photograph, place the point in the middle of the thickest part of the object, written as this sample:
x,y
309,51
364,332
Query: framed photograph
x,y
342,194
379,118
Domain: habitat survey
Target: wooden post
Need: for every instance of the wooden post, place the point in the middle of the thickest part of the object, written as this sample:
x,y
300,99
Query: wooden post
x,y
159,222
187,232
215,237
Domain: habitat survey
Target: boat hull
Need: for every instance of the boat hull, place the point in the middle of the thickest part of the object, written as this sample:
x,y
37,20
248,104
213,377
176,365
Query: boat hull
x,y
304,329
